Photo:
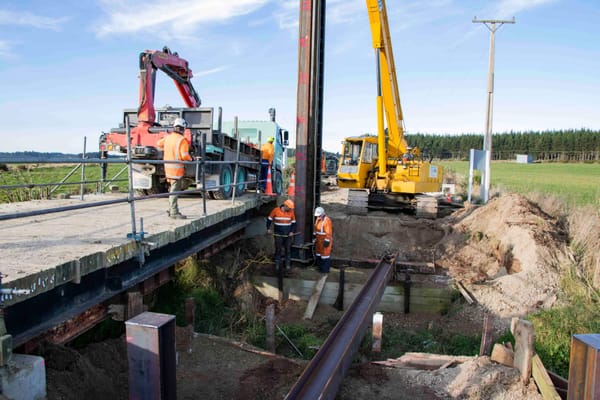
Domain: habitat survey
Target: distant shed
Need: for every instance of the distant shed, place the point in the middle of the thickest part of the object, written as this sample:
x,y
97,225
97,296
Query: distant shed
x,y
524,158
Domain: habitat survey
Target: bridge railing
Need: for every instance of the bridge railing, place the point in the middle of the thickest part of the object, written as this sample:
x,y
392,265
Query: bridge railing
x,y
132,195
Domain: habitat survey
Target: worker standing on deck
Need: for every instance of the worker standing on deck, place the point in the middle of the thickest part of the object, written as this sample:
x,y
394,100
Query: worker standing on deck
x,y
267,155
323,238
176,148
284,219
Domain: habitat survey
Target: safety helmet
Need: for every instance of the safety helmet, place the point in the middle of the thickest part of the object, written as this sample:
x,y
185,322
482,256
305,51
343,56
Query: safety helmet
x,y
289,204
271,139
319,211
179,122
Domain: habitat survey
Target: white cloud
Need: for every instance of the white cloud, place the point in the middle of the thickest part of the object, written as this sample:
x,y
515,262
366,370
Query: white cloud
x,y
171,17
5,49
211,71
508,8
287,15
24,18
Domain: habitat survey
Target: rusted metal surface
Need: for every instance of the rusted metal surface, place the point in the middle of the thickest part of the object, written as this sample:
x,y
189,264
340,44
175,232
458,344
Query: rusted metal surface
x,y
584,367
309,115
324,374
151,356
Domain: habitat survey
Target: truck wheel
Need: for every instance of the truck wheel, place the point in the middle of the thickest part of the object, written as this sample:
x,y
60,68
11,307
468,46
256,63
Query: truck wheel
x,y
278,183
225,179
242,176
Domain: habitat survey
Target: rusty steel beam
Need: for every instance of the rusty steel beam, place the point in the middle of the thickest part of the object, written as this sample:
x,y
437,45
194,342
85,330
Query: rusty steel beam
x,y
323,376
70,310
309,118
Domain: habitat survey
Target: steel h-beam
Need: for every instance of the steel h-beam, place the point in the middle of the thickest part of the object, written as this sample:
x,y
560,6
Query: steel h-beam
x,y
322,377
309,119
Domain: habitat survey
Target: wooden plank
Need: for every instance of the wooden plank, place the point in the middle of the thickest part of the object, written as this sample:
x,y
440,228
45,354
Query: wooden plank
x,y
502,355
314,298
424,361
486,336
523,348
270,327
542,380
464,293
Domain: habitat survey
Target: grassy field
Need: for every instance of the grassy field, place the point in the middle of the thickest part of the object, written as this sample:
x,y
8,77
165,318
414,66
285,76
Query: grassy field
x,y
44,173
576,184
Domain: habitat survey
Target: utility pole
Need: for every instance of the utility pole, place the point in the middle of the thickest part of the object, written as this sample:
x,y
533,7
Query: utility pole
x,y
493,25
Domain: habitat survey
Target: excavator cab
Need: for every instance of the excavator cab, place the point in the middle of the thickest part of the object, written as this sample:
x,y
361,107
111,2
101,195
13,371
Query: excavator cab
x,y
358,160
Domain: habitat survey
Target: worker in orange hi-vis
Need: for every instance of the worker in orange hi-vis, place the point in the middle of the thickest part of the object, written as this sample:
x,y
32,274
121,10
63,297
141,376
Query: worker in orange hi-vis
x,y
323,239
284,220
267,155
176,148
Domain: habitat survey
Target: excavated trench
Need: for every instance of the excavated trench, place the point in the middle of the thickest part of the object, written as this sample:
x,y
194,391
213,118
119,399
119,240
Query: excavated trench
x,y
436,253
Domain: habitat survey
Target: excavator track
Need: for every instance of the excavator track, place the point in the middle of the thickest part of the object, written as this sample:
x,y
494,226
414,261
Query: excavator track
x,y
358,201
426,207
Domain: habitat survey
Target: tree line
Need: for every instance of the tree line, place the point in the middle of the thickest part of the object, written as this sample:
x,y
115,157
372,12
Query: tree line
x,y
560,145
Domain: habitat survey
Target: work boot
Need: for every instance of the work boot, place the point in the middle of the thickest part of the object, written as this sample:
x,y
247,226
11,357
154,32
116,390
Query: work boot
x,y
177,216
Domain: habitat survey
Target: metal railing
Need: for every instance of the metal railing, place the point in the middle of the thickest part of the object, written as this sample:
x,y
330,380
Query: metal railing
x,y
200,164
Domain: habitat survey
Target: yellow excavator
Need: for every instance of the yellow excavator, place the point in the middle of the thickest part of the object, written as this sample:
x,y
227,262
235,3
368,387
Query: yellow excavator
x,y
383,171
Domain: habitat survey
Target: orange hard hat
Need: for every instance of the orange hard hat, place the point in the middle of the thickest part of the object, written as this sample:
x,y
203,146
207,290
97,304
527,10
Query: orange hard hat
x,y
289,204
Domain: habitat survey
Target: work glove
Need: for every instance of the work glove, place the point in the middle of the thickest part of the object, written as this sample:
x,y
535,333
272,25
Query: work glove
x,y
326,243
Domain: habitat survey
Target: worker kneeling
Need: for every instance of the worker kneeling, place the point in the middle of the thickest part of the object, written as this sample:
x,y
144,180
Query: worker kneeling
x,y
323,238
284,219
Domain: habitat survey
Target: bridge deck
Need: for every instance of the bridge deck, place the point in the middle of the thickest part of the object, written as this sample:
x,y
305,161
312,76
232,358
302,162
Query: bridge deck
x,y
44,251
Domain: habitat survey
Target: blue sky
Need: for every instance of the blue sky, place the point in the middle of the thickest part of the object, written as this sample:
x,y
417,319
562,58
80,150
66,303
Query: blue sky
x,y
69,67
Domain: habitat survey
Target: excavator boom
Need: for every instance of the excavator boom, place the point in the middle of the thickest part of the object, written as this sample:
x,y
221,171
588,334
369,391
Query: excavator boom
x,y
388,85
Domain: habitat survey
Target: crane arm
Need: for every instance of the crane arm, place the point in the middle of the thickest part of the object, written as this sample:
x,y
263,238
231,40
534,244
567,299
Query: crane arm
x,y
388,94
176,68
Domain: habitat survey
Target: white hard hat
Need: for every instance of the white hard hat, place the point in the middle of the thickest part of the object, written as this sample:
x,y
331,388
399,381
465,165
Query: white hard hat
x,y
319,211
180,122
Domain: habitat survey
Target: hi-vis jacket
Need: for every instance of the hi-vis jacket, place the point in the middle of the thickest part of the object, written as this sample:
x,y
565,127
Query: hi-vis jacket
x,y
284,221
176,148
267,152
324,234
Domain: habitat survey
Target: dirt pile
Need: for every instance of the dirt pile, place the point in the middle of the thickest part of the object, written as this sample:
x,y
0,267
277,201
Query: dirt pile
x,y
509,252
98,371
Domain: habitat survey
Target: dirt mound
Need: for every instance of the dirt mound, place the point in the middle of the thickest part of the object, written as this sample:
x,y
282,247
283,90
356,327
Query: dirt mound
x,y
98,371
477,378
509,251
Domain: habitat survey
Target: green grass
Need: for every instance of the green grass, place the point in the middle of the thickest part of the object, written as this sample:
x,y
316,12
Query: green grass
x,y
576,184
44,173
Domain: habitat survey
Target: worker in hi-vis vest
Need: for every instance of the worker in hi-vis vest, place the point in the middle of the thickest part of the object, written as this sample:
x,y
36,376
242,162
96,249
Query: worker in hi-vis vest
x,y
323,239
176,148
